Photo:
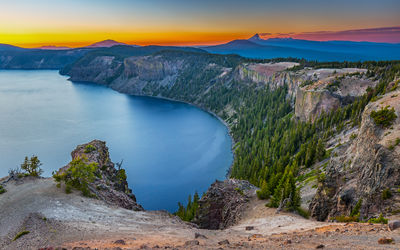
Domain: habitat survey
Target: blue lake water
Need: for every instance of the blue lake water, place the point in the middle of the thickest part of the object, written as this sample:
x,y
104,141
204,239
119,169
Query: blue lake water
x,y
169,149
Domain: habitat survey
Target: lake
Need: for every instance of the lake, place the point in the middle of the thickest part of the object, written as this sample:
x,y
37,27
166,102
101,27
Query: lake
x,y
169,149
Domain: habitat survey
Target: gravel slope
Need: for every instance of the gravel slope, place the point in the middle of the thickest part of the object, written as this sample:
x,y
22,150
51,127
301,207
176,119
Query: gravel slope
x,y
54,219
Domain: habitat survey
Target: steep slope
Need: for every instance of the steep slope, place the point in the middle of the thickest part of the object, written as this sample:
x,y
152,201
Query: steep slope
x,y
52,219
364,169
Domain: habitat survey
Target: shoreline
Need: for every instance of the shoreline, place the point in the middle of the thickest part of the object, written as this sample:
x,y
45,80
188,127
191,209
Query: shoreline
x,y
229,170
227,176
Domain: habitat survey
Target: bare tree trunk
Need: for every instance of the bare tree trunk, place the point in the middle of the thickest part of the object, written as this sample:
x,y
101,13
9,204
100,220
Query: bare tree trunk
x,y
283,203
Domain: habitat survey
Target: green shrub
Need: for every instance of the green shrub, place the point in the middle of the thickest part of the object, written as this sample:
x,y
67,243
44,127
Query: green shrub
x,y
32,166
380,219
384,117
321,177
20,234
344,218
2,190
89,148
263,193
121,175
78,175
395,86
397,142
356,209
240,191
306,83
353,136
386,194
68,189
302,212
376,98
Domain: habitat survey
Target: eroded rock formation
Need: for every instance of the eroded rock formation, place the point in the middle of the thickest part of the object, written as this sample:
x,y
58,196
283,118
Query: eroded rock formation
x,y
365,170
110,184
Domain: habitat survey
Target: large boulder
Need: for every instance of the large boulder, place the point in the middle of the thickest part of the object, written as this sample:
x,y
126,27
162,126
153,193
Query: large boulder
x,y
222,205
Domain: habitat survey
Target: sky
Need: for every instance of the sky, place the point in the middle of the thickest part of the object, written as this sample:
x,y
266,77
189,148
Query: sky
x,y
75,23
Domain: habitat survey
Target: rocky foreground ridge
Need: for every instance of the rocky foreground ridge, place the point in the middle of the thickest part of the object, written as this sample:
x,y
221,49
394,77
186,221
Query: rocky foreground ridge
x,y
110,184
49,218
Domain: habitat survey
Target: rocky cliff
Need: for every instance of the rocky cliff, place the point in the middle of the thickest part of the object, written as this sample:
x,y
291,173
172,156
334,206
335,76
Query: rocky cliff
x,y
324,90
169,73
365,170
110,184
311,104
272,74
142,75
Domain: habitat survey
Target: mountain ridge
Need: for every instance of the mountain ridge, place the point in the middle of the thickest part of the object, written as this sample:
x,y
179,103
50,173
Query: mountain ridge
x,y
308,49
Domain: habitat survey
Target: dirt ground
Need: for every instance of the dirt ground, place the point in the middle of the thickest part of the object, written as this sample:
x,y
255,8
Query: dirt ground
x,y
55,219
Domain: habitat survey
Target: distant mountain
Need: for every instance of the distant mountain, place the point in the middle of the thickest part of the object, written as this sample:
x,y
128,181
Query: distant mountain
x,y
252,49
52,47
256,47
7,47
19,58
256,38
332,46
107,43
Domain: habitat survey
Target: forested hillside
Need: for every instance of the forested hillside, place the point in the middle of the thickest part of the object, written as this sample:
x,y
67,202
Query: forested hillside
x,y
271,146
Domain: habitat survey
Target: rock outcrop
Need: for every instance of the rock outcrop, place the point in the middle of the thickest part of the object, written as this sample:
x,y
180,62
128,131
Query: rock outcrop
x,y
365,170
312,91
311,104
324,90
223,203
110,184
272,74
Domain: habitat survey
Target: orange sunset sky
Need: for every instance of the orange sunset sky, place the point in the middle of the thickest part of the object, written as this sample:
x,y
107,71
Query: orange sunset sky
x,y
175,22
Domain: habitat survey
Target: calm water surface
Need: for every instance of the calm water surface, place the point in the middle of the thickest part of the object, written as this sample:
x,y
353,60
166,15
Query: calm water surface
x,y
169,149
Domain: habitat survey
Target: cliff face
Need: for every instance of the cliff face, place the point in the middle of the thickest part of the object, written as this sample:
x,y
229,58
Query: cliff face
x,y
325,90
130,75
365,170
312,91
311,104
110,184
272,74
138,72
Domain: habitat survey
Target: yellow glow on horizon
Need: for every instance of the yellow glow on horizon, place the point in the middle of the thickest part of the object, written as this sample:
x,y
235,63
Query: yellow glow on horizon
x,y
149,38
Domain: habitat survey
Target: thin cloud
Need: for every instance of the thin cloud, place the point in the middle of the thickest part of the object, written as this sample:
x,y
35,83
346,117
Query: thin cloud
x,y
384,34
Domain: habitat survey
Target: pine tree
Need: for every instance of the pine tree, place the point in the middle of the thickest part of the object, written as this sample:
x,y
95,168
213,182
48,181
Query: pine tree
x,y
263,193
320,150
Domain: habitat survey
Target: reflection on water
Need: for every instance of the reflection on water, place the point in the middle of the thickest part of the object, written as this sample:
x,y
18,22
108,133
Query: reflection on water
x,y
169,149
